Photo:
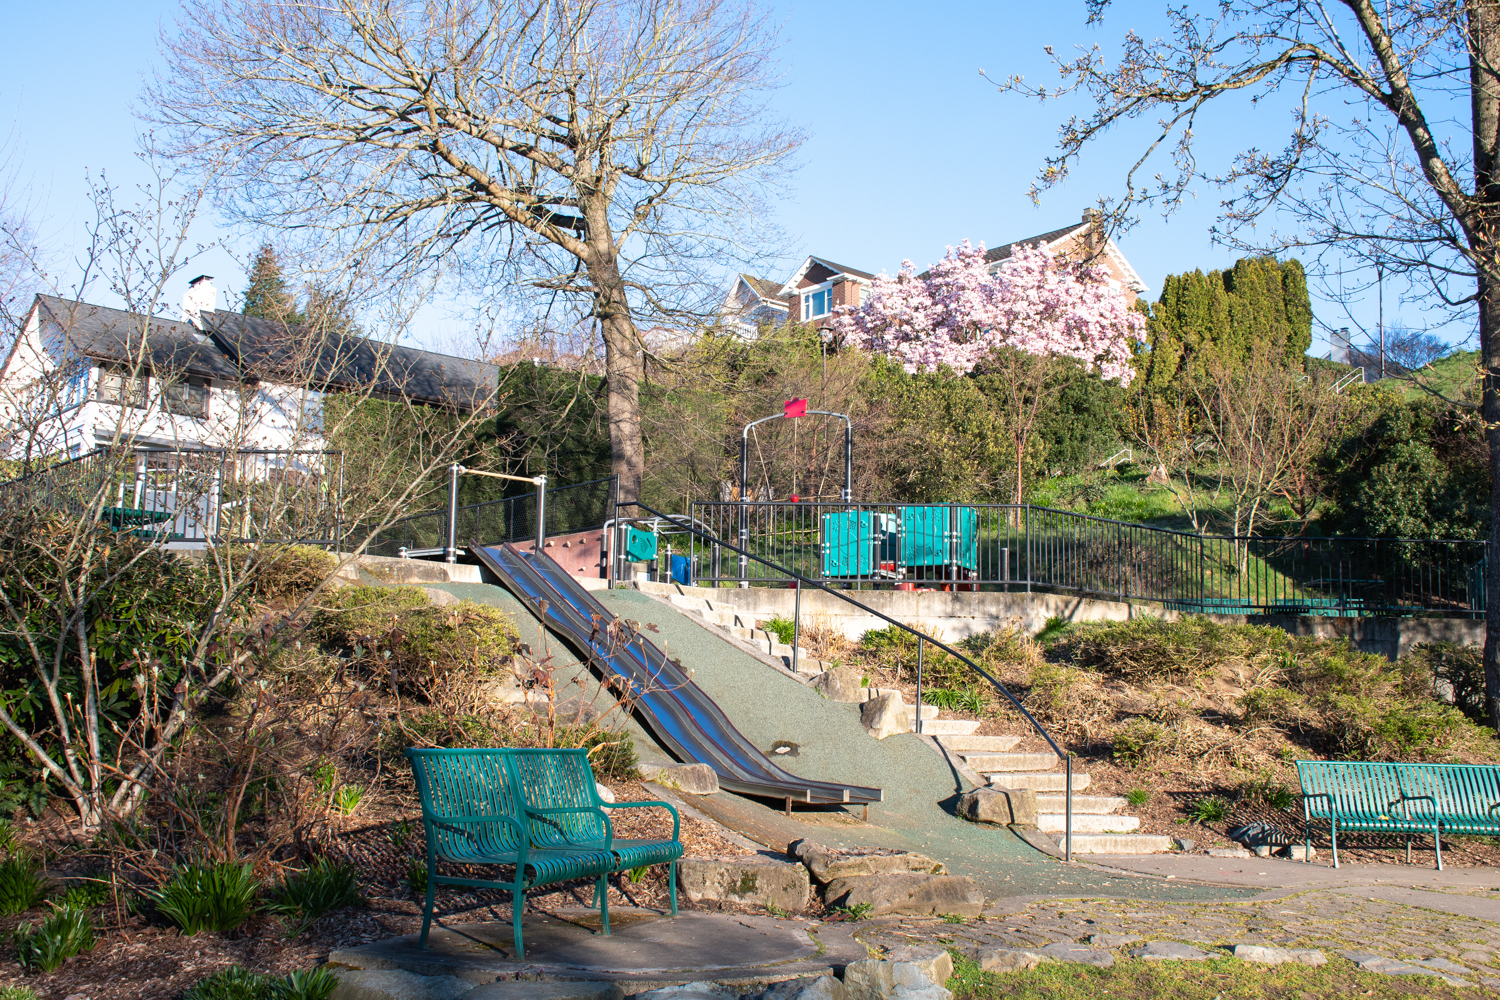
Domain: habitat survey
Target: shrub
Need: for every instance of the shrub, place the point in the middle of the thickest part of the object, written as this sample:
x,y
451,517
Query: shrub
x,y
1138,797
213,897
1373,729
17,993
305,984
324,886
86,895
416,876
1208,810
66,932
1054,629
233,983
22,886
1153,649
612,755
285,572
1139,742
347,799
1273,705
969,699
782,628
896,648
1458,668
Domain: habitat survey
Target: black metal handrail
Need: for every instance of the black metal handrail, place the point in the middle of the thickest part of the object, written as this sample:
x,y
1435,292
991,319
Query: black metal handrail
x,y
684,525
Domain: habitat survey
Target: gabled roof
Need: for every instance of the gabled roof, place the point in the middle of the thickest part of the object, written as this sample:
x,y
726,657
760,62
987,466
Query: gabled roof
x,y
1078,230
853,272
764,287
997,254
238,348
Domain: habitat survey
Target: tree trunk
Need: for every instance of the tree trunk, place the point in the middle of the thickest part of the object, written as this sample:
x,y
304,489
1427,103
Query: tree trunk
x,y
623,368
1484,39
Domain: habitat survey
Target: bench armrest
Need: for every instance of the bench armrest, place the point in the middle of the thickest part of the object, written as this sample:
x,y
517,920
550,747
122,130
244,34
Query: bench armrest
x,y
676,820
448,823
543,812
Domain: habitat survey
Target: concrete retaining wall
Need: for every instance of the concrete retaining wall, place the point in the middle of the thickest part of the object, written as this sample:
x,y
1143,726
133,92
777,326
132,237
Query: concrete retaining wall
x,y
954,616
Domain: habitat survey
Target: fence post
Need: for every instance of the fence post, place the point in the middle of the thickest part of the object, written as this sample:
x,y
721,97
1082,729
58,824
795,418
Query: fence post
x,y
541,512
796,622
1068,819
451,552
1028,549
920,643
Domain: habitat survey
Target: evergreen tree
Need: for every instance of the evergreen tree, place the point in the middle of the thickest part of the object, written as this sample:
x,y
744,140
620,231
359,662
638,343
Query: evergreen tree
x,y
266,295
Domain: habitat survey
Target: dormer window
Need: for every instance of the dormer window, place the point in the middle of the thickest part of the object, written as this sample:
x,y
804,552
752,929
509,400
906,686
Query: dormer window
x,y
817,302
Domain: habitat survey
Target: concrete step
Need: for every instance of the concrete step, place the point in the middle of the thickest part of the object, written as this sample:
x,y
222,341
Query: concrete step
x,y
948,727
1051,822
1056,803
987,744
1119,843
987,762
1040,781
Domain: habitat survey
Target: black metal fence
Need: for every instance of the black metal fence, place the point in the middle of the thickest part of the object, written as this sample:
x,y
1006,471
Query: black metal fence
x,y
194,496
1008,547
578,507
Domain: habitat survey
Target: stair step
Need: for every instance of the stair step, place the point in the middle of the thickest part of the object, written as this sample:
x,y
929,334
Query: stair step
x,y
948,727
1087,823
987,744
1041,781
986,762
1053,802
1119,843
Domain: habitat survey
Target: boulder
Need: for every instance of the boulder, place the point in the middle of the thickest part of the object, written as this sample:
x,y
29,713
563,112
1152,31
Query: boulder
x,y
695,779
606,794
1298,852
806,988
1067,951
522,989
748,882
1112,940
1267,955
841,684
1168,951
1181,844
909,894
875,979
1002,806
1009,959
885,716
826,865
689,991
918,966
395,984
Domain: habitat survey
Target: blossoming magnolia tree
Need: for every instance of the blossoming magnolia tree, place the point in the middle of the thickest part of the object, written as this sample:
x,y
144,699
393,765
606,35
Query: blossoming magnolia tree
x,y
1019,324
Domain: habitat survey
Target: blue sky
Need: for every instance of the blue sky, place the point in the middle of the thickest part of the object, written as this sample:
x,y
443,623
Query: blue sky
x,y
910,149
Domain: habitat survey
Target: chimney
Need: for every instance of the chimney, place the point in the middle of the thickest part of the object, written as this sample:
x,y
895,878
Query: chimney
x,y
1093,240
199,297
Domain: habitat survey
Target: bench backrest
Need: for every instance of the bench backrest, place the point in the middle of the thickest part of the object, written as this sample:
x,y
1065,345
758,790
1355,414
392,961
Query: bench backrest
x,y
1461,795
458,789
551,779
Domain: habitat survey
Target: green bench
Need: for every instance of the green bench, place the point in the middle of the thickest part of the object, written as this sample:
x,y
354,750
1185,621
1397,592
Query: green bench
x,y
535,811
1412,799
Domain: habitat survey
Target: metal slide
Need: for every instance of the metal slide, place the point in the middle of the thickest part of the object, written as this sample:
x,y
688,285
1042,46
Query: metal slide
x,y
684,719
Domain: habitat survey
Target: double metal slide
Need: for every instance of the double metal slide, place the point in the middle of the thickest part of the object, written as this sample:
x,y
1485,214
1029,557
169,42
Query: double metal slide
x,y
679,714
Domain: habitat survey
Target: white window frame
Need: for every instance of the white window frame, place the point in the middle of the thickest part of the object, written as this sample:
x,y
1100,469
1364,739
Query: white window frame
x,y
826,288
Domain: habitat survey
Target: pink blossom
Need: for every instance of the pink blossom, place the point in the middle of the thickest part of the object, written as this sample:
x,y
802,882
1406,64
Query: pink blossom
x,y
957,313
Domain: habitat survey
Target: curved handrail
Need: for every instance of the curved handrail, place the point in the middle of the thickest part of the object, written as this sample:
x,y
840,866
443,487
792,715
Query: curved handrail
x,y
1066,758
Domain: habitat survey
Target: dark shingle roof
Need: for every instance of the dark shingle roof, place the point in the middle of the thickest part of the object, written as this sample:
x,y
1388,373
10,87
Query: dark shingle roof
x,y
237,348
106,334
763,287
841,269
1002,252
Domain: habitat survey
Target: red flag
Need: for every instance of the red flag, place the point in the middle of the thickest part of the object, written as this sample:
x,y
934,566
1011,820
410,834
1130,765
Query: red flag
x,y
795,408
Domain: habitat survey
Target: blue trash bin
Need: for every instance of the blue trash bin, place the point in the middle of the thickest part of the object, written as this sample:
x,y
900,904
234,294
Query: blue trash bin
x,y
680,568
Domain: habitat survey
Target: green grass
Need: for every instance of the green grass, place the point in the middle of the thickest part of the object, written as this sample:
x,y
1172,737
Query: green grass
x,y
1216,979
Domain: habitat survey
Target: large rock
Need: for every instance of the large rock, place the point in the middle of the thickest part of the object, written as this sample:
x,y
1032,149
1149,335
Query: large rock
x,y
1067,951
1266,955
695,779
911,894
826,865
689,991
1002,806
1169,951
547,989
751,883
395,984
877,979
913,961
885,716
806,988
841,684
1009,959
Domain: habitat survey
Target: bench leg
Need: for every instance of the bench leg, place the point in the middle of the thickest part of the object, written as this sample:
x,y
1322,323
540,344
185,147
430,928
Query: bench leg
x,y
427,908
1333,828
1408,849
672,885
1437,844
602,894
517,907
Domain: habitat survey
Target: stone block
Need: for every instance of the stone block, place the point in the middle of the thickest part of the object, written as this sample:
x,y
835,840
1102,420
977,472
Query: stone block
x,y
395,984
750,883
806,988
695,779
1113,940
689,991
1262,850
606,794
1298,852
1181,844
908,894
1266,955
826,865
1009,959
1169,951
885,716
917,966
1066,951
530,989
1002,806
1228,852
844,684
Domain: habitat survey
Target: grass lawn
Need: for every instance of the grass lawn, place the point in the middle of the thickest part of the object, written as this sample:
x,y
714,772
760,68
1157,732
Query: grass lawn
x,y
1217,979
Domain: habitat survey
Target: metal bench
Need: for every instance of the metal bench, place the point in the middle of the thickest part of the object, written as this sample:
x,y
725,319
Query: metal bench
x,y
1400,798
536,811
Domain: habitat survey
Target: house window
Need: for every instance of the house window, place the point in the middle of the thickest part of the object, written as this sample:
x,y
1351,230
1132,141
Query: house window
x,y
817,303
187,399
123,387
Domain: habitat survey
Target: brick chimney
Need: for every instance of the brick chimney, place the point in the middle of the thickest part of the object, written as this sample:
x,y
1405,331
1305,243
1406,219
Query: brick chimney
x,y
1093,240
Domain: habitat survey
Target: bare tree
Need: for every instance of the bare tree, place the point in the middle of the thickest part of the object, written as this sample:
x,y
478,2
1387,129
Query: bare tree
x,y
1392,162
598,150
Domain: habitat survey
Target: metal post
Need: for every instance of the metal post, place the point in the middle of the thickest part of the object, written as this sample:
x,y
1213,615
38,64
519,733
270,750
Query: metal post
x,y
1028,549
140,479
920,643
796,622
848,461
451,553
541,512
1068,818
744,511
